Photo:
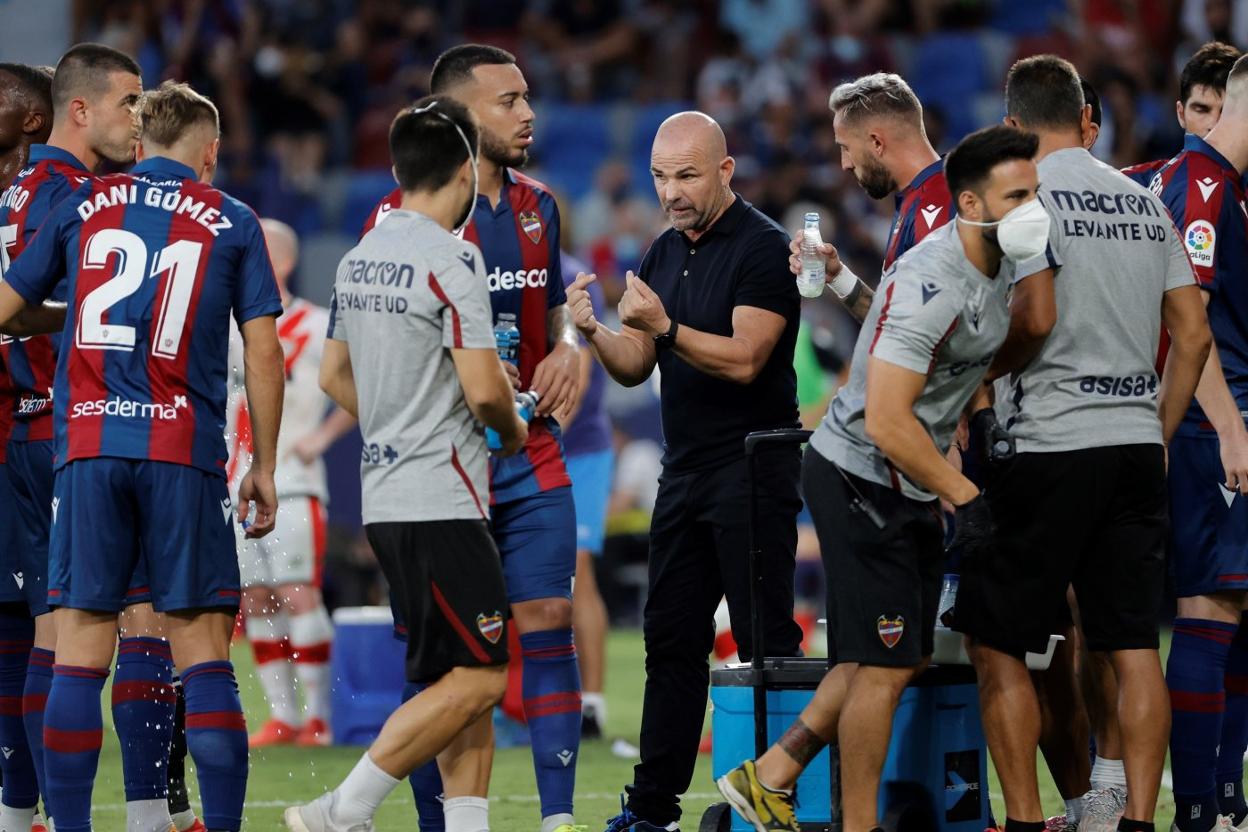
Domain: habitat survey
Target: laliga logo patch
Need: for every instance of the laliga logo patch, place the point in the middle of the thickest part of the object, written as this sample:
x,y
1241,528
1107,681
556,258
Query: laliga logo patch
x,y
491,626
1199,238
890,630
531,224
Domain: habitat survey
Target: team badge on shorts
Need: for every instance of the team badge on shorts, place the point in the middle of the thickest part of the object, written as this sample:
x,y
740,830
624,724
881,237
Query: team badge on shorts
x,y
491,626
890,630
531,223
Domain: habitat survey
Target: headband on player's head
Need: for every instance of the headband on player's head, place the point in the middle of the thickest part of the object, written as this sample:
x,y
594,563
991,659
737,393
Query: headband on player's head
x,y
431,107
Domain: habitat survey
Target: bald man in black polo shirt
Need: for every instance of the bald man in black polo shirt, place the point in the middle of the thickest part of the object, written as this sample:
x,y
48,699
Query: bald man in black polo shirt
x,y
715,307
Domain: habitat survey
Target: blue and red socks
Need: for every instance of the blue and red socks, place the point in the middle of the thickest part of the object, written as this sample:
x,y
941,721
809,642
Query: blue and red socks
x,y
21,787
552,707
426,783
1230,771
143,710
34,702
72,730
1194,675
216,735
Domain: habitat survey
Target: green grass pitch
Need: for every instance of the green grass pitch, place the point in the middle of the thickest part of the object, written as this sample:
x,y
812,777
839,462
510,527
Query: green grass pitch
x,y
285,776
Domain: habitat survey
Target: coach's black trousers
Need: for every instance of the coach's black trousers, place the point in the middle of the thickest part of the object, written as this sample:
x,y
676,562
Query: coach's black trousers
x,y
699,553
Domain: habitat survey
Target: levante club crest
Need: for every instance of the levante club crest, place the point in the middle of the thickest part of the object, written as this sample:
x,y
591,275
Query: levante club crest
x,y
491,626
890,630
531,223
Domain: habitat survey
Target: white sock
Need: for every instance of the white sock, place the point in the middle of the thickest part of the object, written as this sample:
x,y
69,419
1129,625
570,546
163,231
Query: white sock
x,y
365,788
145,816
184,820
276,676
468,814
16,820
1106,773
595,702
552,822
311,634
1074,810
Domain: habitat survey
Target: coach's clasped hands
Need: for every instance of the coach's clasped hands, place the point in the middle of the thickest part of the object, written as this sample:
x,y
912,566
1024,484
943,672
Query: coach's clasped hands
x,y
641,308
974,528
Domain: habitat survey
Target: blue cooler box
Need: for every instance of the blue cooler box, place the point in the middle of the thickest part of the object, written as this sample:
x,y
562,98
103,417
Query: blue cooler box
x,y
936,774
367,673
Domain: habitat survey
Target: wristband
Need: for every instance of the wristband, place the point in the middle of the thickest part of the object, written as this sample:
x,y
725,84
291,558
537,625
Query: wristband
x,y
844,282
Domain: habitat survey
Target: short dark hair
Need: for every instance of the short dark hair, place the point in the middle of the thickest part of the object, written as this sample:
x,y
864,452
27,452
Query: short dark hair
x,y
1043,92
1208,67
455,65
34,82
1092,99
969,164
84,70
425,142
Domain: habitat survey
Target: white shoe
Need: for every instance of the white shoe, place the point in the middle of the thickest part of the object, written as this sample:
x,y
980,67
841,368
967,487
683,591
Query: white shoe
x,y
317,816
1102,809
1060,823
1222,824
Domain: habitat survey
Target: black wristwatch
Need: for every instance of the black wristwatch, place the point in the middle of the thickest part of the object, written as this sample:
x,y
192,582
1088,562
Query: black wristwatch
x,y
668,339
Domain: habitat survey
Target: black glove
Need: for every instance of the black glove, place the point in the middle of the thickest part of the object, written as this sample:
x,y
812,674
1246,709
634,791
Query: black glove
x,y
973,528
989,442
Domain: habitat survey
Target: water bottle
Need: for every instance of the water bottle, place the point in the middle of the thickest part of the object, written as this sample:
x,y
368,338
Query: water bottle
x,y
507,338
810,282
526,406
948,596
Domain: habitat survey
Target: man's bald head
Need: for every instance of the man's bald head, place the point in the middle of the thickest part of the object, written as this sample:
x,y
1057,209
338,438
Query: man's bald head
x,y
692,170
1236,101
283,246
694,132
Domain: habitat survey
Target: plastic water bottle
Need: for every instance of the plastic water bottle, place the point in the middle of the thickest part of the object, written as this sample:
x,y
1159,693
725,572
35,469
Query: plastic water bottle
x,y
948,597
810,282
507,338
526,406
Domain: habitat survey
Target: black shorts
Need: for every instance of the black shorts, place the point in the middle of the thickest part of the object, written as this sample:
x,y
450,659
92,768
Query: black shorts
x,y
1095,518
446,582
883,585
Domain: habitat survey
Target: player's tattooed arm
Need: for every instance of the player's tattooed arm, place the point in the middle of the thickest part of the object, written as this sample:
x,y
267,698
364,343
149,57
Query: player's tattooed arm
x,y
44,319
801,744
858,301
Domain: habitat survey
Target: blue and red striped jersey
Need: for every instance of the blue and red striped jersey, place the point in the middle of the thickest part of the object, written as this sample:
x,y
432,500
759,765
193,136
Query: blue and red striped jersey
x,y
1205,196
1144,172
922,206
519,239
155,263
30,363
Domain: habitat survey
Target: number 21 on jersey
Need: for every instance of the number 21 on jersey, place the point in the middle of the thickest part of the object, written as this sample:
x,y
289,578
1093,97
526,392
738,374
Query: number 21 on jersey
x,y
180,259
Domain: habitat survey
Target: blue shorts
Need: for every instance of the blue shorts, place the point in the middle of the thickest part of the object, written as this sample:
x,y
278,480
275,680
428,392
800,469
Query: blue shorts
x,y
536,538
591,491
1208,524
30,474
117,519
12,570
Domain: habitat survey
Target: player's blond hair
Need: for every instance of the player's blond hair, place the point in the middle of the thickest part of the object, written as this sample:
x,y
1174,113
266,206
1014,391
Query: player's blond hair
x,y
168,112
883,93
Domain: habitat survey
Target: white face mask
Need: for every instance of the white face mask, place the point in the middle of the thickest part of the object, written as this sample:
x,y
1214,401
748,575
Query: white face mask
x,y
1023,233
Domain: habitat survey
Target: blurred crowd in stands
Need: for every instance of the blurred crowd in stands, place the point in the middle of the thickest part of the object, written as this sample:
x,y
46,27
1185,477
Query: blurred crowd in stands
x,y
308,88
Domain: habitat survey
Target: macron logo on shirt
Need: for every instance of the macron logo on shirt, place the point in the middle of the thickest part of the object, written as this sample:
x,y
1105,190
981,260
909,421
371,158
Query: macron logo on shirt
x,y
1207,187
930,213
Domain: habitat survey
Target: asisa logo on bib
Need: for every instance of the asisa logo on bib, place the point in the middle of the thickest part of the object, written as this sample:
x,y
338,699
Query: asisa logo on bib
x,y
1200,239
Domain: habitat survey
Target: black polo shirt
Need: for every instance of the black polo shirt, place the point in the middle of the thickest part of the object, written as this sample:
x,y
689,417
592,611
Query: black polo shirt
x,y
741,260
